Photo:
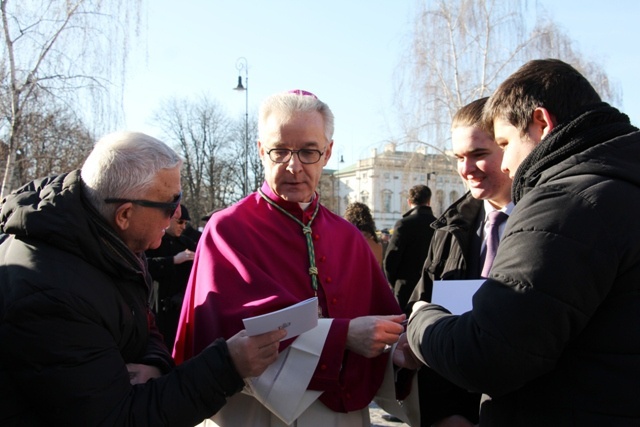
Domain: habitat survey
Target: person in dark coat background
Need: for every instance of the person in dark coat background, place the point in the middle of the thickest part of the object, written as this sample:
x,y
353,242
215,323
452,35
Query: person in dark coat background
x,y
409,244
170,265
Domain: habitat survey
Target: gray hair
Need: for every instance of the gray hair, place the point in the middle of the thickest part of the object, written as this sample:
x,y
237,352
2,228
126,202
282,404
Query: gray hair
x,y
124,165
285,104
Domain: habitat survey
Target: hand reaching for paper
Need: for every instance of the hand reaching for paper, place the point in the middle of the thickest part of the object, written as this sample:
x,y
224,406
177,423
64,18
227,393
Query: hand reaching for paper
x,y
403,356
370,336
252,355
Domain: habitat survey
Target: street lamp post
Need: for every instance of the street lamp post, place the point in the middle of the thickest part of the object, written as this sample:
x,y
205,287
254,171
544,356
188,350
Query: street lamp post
x,y
241,64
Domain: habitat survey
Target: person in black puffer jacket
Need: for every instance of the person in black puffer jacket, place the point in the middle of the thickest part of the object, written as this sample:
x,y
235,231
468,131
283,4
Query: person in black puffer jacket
x,y
78,343
552,339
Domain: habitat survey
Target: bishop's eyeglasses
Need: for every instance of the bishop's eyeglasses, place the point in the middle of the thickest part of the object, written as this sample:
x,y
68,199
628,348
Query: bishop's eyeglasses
x,y
306,156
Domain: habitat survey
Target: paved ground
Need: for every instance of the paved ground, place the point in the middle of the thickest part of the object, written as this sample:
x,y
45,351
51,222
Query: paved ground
x,y
377,420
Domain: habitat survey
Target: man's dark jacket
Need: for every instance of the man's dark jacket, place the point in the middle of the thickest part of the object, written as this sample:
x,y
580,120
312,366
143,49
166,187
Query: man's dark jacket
x,y
407,251
552,337
454,252
73,312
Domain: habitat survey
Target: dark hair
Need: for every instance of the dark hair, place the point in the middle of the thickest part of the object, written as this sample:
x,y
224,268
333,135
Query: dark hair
x,y
184,213
359,215
547,83
419,195
470,114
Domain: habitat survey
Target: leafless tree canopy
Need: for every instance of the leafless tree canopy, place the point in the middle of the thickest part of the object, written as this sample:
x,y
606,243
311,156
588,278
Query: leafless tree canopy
x,y
212,146
59,55
52,143
462,50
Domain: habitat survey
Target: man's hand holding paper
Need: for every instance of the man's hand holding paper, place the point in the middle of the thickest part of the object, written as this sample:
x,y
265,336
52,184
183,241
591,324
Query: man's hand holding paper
x,y
251,355
370,336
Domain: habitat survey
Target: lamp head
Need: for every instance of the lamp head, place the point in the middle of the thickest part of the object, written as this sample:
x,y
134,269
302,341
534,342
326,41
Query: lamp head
x,y
239,87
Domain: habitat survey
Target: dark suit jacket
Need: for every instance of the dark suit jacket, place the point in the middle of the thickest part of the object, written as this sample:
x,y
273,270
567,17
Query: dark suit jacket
x,y
408,250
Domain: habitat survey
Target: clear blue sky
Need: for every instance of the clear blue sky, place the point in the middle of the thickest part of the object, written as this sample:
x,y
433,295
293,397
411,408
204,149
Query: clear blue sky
x,y
344,51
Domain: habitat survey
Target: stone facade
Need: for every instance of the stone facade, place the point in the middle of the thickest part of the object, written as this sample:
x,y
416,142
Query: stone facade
x,y
383,180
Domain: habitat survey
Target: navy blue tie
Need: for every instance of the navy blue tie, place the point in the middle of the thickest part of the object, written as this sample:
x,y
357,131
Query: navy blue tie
x,y
493,239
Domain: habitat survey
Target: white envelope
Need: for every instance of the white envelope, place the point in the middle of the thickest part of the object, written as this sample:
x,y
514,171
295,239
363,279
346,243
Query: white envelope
x,y
455,295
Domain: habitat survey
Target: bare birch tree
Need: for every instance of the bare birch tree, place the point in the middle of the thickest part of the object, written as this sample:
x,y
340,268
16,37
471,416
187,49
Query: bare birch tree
x,y
462,50
68,54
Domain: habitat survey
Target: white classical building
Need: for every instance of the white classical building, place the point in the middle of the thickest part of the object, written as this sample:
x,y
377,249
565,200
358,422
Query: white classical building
x,y
383,180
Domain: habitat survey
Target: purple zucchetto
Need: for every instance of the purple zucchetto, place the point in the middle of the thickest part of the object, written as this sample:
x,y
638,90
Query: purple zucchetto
x,y
302,93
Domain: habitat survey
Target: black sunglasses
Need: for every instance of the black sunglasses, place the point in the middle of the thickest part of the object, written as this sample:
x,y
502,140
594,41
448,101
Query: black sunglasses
x,y
169,208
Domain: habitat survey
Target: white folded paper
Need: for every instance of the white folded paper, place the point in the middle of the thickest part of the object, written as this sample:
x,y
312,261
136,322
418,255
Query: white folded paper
x,y
296,319
282,388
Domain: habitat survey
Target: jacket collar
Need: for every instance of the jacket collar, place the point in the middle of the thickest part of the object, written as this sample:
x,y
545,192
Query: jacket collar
x,y
596,124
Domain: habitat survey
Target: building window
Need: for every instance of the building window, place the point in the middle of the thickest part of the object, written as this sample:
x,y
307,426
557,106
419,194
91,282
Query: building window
x,y
403,202
386,200
364,197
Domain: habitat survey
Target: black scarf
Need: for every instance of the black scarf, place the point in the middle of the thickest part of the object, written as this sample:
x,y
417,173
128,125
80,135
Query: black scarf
x,y
597,123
